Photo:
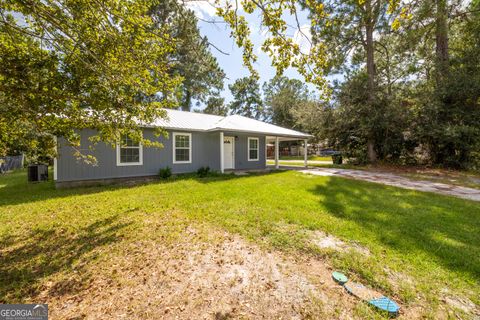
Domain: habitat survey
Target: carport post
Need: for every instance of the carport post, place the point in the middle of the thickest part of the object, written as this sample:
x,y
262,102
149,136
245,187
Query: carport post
x,y
221,152
277,147
305,152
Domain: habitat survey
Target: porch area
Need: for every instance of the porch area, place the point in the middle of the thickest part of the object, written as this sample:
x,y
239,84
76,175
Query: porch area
x,y
275,141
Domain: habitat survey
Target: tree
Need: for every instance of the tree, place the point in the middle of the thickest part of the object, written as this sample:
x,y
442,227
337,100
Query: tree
x,y
441,124
69,65
337,26
347,27
193,61
351,121
281,96
216,105
448,104
441,40
247,100
314,117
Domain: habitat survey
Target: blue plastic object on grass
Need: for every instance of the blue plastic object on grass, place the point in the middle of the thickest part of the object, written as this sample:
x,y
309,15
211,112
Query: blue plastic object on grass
x,y
385,304
372,297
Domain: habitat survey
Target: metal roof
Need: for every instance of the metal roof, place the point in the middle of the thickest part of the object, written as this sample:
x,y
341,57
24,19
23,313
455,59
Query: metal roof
x,y
193,121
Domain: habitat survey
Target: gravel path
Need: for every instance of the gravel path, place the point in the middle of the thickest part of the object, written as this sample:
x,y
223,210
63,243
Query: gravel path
x,y
399,181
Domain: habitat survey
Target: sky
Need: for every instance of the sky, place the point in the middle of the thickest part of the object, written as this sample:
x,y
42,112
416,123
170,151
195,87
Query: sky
x,y
219,35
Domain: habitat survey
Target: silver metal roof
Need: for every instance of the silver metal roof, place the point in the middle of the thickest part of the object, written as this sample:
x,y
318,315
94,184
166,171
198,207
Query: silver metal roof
x,y
192,121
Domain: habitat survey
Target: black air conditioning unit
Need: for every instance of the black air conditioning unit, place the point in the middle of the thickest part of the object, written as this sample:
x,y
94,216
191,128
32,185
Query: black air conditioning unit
x,y
37,172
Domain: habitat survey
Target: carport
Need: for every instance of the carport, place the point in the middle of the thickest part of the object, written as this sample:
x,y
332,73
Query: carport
x,y
276,141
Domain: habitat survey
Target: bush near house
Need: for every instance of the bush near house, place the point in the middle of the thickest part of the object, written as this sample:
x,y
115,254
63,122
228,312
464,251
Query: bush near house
x,y
202,172
165,173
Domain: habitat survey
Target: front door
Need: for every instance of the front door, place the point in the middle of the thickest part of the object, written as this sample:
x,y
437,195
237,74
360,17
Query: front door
x,y
228,152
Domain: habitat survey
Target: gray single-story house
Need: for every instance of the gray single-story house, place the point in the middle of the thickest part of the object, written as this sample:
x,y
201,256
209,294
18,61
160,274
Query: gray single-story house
x,y
194,140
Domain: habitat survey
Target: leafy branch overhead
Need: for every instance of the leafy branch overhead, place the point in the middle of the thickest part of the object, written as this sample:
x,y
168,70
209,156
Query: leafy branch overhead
x,y
70,65
407,70
279,45
108,65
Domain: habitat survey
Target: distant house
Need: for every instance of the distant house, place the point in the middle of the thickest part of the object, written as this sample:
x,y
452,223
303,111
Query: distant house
x,y
194,140
294,148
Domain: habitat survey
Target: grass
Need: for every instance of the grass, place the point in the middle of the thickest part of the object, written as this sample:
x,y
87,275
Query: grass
x,y
420,244
318,165
300,158
295,163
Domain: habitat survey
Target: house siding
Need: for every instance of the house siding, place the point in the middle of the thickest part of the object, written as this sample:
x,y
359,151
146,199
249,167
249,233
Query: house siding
x,y
241,151
205,152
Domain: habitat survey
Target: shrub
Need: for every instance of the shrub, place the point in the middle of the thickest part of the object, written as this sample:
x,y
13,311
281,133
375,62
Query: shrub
x,y
165,173
203,171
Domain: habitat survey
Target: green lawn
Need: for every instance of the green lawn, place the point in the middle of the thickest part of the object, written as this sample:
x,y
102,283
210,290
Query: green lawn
x,y
319,165
420,244
314,158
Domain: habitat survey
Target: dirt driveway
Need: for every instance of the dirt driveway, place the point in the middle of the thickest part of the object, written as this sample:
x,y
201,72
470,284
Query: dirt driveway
x,y
224,279
399,181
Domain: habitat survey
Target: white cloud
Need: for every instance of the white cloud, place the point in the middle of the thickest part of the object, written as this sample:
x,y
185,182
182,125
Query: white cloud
x,y
303,38
254,28
262,34
265,33
203,9
206,9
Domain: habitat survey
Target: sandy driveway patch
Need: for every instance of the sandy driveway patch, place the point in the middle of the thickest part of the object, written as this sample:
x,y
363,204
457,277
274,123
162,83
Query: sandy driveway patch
x,y
223,279
399,181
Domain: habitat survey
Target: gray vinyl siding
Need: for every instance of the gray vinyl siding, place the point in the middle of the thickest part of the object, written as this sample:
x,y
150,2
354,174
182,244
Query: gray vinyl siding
x,y
241,151
205,152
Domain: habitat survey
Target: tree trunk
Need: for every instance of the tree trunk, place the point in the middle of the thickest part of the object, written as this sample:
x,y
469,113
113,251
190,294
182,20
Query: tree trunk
x,y
187,102
369,47
389,75
441,35
443,115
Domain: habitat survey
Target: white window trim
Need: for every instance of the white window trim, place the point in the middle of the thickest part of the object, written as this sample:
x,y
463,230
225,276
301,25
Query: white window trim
x,y
140,156
174,147
258,149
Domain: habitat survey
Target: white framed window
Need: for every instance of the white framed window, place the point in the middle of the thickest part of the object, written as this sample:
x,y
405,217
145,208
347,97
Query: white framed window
x,y
182,147
129,152
253,147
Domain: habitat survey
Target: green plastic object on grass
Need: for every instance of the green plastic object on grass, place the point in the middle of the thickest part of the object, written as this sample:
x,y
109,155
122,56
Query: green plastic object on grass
x,y
339,277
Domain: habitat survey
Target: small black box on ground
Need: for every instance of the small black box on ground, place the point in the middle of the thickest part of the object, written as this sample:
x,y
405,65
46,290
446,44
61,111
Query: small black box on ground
x,y
37,172
337,159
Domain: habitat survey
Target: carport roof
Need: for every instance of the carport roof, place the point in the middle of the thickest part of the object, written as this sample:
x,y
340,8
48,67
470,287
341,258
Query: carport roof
x,y
193,121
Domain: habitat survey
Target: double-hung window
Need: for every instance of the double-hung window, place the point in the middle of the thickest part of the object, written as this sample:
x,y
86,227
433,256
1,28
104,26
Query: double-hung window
x,y
182,147
129,152
253,149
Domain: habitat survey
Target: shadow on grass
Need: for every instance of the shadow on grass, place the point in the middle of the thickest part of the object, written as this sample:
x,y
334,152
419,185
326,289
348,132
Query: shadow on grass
x,y
410,222
14,188
27,259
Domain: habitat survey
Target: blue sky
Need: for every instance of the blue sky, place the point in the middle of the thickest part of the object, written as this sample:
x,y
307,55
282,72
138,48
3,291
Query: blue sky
x,y
219,35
